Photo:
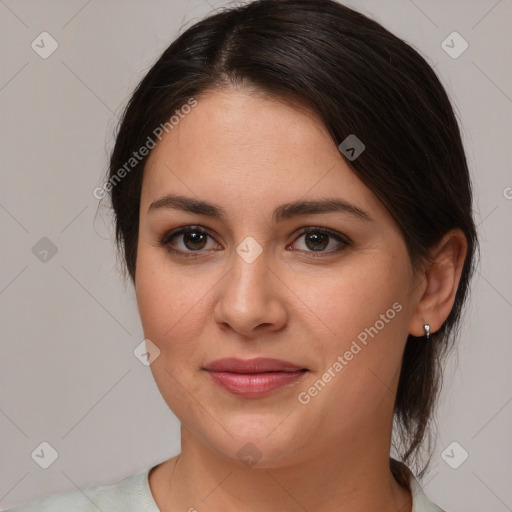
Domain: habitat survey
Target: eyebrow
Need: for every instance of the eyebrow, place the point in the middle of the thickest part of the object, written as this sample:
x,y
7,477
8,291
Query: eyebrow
x,y
281,213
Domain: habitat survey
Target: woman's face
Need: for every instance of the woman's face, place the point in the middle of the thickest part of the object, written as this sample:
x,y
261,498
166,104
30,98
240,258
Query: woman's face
x,y
336,302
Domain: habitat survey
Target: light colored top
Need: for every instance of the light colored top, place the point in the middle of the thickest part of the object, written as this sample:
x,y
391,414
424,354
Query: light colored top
x,y
133,494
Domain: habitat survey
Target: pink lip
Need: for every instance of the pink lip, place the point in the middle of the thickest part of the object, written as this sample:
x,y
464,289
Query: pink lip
x,y
253,377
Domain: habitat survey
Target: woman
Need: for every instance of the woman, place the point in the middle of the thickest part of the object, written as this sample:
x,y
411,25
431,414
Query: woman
x,y
293,206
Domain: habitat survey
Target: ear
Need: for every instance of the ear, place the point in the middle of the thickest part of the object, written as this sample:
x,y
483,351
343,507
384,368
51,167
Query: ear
x,y
441,280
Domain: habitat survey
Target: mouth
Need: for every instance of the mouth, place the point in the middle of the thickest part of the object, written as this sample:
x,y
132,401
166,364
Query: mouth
x,y
254,378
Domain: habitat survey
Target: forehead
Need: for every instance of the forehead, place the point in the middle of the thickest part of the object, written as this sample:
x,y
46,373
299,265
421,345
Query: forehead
x,y
238,125
238,147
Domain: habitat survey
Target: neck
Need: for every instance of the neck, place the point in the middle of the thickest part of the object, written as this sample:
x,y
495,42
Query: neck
x,y
350,478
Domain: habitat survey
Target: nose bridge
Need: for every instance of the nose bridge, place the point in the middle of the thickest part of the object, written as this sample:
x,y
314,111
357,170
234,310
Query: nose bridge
x,y
247,298
248,277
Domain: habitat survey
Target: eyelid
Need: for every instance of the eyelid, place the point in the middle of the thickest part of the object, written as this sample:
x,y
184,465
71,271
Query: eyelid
x,y
188,227
326,231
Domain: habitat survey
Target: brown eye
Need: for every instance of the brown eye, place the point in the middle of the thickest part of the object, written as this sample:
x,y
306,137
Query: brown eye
x,y
187,241
194,240
316,241
319,239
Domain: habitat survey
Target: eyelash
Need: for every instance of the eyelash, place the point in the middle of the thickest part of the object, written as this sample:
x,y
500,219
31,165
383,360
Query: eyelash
x,y
165,240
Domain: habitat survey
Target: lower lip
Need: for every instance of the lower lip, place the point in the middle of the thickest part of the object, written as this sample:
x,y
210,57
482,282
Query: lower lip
x,y
255,385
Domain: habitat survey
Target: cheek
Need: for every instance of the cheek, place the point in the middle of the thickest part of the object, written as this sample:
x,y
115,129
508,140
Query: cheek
x,y
361,338
174,308
170,313
165,295
361,297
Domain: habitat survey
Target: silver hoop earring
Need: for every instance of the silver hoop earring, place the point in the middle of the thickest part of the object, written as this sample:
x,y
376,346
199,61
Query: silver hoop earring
x,y
426,328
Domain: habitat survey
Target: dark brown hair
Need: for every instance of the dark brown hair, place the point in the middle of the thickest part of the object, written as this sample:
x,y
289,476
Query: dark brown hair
x,y
359,79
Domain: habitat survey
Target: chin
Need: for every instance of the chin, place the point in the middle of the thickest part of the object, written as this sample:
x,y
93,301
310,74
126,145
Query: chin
x,y
267,444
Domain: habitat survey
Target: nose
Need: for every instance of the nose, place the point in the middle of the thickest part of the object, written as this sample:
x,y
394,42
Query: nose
x,y
251,298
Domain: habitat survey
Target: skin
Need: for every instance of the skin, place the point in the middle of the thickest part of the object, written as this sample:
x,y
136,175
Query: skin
x,y
249,153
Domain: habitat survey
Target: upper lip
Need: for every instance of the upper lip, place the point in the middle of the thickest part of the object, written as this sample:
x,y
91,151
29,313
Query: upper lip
x,y
256,365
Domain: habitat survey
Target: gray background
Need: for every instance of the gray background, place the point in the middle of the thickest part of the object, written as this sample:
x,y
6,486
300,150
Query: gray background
x,y
68,375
